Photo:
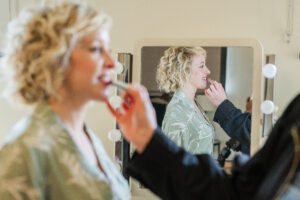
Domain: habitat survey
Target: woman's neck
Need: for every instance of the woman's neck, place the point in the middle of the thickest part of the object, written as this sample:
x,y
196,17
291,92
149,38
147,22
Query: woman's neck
x,y
71,111
190,91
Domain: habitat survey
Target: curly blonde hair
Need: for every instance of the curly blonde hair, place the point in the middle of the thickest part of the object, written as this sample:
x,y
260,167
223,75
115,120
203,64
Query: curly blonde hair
x,y
39,43
174,67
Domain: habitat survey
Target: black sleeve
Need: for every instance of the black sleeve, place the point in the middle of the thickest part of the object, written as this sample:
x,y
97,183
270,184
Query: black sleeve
x,y
172,173
235,123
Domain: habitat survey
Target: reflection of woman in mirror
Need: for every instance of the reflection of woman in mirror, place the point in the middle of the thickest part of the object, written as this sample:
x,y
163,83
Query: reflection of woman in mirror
x,y
182,70
59,57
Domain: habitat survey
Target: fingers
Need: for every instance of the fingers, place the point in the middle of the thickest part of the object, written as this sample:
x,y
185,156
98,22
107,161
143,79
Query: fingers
x,y
127,105
127,101
216,86
136,91
135,98
208,92
213,88
112,110
139,94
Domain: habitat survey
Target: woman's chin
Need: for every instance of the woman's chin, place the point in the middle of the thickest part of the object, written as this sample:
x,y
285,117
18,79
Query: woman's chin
x,y
100,99
100,96
102,93
202,87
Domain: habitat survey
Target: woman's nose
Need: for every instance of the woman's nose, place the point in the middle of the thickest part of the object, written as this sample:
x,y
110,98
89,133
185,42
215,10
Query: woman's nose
x,y
109,61
207,70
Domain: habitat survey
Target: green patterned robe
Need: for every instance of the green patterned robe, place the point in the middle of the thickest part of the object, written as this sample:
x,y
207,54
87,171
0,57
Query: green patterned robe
x,y
186,126
39,160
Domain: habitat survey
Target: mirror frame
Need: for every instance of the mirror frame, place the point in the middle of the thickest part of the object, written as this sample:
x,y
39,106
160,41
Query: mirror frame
x,y
258,59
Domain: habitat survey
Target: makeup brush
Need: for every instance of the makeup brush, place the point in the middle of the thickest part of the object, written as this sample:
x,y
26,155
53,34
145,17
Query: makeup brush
x,y
119,84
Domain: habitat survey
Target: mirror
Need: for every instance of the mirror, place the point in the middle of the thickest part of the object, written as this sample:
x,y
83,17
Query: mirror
x,y
236,63
226,58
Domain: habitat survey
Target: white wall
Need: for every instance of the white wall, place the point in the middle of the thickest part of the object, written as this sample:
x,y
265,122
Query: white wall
x,y
264,20
4,18
239,72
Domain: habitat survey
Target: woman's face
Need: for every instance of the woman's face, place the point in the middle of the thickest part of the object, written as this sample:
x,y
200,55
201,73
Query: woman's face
x,y
90,67
199,72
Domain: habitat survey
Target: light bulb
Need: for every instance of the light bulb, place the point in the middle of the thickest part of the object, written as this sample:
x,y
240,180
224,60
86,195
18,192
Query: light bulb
x,y
115,101
114,135
119,67
267,107
269,70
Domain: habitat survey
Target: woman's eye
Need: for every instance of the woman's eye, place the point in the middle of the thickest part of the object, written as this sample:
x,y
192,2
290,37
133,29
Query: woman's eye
x,y
201,66
95,49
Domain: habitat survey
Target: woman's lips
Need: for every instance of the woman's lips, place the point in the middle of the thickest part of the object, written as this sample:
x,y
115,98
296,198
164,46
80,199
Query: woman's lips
x,y
105,80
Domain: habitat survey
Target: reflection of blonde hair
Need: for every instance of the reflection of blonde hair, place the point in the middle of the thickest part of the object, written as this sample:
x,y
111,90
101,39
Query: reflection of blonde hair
x,y
39,43
174,67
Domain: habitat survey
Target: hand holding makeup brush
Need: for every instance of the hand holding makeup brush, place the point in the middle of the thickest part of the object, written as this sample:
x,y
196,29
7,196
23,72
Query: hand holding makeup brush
x,y
215,93
137,118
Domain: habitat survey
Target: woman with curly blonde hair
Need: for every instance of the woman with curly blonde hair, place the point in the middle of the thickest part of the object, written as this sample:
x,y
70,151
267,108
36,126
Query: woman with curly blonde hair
x,y
57,60
182,70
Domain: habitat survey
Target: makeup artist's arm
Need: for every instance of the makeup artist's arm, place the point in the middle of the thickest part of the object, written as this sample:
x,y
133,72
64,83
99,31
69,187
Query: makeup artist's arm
x,y
236,124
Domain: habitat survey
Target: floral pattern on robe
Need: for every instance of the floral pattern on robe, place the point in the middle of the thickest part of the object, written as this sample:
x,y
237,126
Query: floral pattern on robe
x,y
187,127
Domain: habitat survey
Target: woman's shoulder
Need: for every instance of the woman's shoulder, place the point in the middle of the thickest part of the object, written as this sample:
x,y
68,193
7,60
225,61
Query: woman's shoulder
x,y
29,133
20,131
23,139
178,105
175,113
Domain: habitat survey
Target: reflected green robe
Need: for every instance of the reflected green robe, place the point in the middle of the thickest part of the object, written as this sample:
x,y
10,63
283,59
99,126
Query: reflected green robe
x,y
187,127
40,160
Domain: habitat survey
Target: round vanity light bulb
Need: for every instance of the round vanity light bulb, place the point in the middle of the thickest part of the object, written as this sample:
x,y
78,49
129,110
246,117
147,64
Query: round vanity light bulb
x,y
115,101
119,68
267,107
114,135
269,70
